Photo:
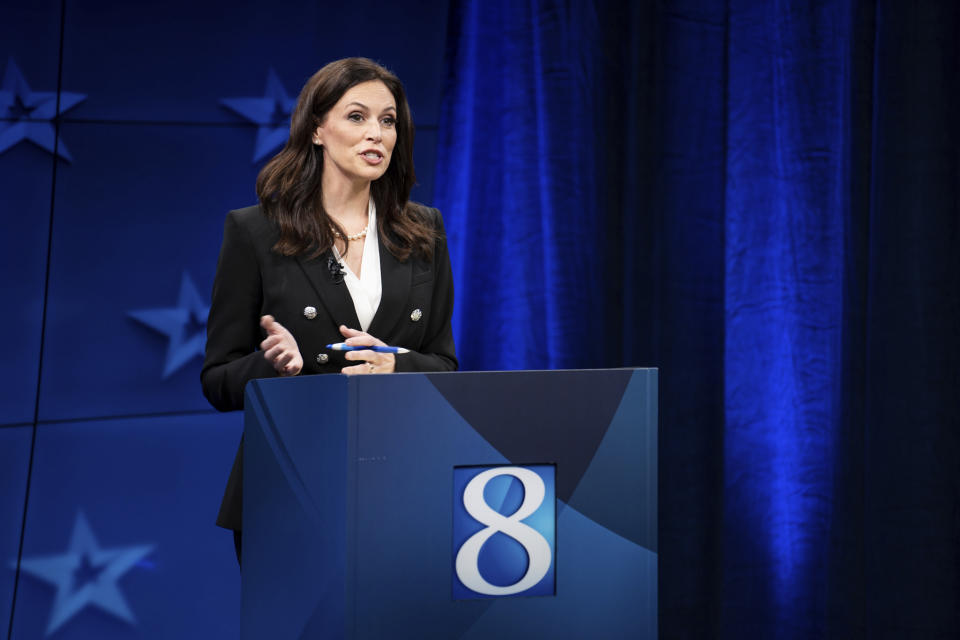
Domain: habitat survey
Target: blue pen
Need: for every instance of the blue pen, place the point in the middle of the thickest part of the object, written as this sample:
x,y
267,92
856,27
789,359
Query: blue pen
x,y
340,346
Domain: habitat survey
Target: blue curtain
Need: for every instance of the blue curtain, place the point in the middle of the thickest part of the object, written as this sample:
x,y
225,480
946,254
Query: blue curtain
x,y
514,127
761,199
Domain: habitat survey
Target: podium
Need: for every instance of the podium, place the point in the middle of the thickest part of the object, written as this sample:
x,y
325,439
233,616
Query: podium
x,y
451,505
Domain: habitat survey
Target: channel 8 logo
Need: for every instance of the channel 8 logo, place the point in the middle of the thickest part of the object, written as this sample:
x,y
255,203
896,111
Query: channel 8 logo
x,y
504,531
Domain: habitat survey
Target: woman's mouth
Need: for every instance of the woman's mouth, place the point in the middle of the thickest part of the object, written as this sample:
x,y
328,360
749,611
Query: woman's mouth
x,y
373,157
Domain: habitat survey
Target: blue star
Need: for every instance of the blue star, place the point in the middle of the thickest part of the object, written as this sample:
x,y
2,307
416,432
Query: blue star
x,y
86,575
271,113
184,326
31,113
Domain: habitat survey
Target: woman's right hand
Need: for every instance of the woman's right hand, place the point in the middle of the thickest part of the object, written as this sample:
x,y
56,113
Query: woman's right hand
x,y
279,348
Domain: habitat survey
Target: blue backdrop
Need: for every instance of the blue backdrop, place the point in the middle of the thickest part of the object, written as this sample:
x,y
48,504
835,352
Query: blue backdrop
x,y
760,198
126,133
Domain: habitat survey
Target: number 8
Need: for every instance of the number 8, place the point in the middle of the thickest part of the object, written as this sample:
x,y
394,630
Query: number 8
x,y
535,545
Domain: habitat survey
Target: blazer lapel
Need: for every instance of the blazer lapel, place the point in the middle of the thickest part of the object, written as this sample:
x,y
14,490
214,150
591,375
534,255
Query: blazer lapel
x,y
395,289
334,295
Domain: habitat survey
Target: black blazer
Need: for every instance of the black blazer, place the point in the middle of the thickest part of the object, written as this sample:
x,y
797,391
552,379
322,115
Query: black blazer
x,y
306,298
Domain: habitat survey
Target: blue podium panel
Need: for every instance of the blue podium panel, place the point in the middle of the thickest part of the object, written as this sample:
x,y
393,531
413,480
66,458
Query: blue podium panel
x,y
26,182
177,61
136,236
367,494
14,462
295,505
120,540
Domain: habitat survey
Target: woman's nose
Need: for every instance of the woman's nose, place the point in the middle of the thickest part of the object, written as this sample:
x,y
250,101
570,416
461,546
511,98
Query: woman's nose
x,y
373,131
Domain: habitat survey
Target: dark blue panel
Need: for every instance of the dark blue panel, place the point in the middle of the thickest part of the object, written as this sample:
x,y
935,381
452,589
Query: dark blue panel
x,y
575,427
25,183
175,60
130,504
627,460
29,54
30,36
295,508
139,212
14,462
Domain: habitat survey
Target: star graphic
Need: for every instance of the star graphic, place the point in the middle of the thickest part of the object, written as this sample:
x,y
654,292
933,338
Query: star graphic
x,y
85,575
29,115
271,113
184,326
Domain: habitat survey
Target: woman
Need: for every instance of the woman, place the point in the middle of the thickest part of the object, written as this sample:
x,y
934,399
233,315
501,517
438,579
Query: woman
x,y
334,252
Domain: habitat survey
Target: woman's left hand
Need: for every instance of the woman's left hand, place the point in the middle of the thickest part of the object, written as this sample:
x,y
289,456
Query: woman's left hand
x,y
371,361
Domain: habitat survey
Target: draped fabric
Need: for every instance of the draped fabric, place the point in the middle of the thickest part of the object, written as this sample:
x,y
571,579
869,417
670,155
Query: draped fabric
x,y
512,140
761,199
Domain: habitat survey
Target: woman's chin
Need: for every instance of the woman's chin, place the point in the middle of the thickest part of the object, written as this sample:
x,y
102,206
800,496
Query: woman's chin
x,y
372,173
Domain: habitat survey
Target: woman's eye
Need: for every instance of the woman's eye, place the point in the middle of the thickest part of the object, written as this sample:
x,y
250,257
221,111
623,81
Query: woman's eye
x,y
355,116
388,122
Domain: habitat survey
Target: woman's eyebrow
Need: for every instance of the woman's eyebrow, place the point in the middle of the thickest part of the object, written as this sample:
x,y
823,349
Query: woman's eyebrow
x,y
366,108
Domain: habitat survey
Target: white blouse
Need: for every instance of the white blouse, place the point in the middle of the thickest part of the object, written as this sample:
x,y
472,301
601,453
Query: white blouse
x,y
367,289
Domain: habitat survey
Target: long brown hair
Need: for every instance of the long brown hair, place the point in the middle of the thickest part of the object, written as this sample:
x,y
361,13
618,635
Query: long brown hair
x,y
289,186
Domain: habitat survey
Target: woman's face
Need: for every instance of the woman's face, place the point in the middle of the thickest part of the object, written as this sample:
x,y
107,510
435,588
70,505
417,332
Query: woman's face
x,y
359,133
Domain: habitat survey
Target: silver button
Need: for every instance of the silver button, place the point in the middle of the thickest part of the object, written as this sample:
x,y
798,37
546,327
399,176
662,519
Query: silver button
x,y
322,358
309,313
416,315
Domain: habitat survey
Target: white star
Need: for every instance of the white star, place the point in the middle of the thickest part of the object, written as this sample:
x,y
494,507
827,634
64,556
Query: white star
x,y
106,565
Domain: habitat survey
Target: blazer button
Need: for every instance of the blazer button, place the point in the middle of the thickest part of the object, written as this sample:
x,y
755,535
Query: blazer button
x,y
322,358
416,315
309,313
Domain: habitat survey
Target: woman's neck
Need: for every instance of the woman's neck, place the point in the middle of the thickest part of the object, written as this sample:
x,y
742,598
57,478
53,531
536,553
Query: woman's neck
x,y
347,202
